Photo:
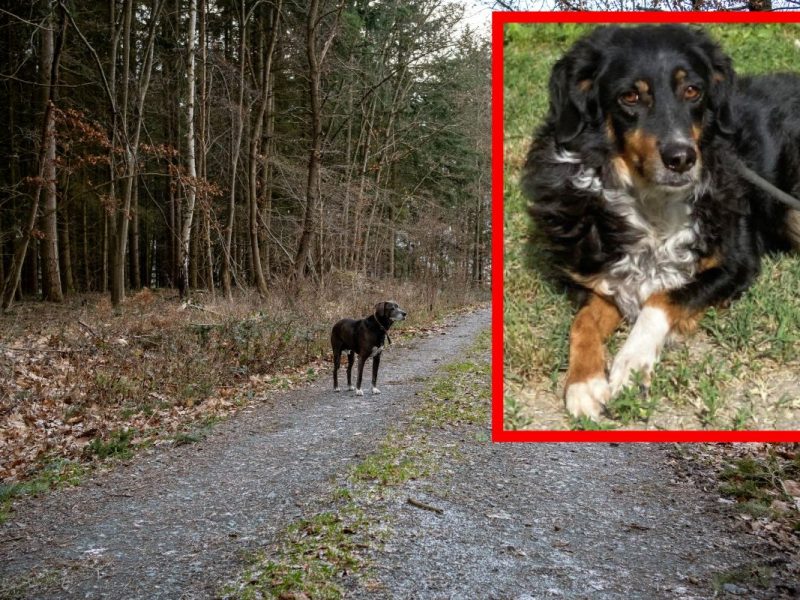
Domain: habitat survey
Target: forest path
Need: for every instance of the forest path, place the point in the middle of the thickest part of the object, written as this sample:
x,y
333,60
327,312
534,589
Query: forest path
x,y
517,521
175,523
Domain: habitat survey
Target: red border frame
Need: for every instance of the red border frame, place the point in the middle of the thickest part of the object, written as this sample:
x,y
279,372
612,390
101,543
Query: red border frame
x,y
499,19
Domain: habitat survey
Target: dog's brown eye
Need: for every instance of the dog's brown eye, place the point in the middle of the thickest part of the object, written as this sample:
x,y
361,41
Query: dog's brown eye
x,y
630,97
691,93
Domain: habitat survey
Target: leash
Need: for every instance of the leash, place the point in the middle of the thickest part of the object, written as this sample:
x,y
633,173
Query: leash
x,y
766,186
375,316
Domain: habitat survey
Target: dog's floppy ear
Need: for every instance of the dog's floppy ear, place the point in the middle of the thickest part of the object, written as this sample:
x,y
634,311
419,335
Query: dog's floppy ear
x,y
573,90
722,81
380,309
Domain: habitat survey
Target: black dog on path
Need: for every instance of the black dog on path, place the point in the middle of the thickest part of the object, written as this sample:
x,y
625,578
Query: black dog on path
x,y
364,337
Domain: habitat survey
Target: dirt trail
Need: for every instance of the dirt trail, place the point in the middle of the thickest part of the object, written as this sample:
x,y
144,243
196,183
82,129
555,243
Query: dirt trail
x,y
519,521
173,524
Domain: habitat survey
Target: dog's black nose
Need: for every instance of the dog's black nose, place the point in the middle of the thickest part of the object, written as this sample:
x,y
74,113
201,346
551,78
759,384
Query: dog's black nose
x,y
678,156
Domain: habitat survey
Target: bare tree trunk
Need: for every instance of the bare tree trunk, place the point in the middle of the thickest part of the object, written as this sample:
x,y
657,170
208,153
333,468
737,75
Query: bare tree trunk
x,y
119,222
87,283
266,181
236,144
48,132
108,222
65,252
202,159
191,189
315,61
51,275
366,134
174,233
194,255
136,277
256,145
209,251
131,161
106,251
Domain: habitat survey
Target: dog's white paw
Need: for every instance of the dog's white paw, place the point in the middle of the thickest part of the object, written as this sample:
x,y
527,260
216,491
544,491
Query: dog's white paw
x,y
641,350
376,390
627,364
587,398
359,392
336,389
350,388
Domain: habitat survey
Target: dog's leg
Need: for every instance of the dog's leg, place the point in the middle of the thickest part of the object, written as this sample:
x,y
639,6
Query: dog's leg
x,y
586,390
376,362
337,358
350,357
361,360
659,317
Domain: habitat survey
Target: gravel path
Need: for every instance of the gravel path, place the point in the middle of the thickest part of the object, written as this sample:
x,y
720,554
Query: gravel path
x,y
175,523
539,521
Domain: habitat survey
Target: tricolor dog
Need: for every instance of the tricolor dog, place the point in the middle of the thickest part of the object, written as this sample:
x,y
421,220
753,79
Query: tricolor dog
x,y
366,338
637,189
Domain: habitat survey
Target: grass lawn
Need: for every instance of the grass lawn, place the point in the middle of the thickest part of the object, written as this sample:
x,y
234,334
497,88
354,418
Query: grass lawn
x,y
738,372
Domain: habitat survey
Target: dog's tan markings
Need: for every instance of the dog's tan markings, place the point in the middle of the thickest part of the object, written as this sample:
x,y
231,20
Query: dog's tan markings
x,y
592,325
718,77
645,97
681,319
708,262
621,170
697,132
680,77
584,85
610,134
641,152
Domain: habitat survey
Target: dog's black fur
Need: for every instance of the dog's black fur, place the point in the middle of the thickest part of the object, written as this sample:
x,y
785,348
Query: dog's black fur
x,y
364,337
636,192
757,119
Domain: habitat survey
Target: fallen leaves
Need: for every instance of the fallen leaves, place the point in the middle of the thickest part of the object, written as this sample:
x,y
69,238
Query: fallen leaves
x,y
761,482
67,380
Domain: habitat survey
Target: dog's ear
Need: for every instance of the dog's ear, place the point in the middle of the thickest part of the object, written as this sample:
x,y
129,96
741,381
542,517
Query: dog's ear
x,y
722,81
380,309
573,90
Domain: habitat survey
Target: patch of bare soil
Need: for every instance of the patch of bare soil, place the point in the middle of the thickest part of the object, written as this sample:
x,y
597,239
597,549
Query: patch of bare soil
x,y
691,391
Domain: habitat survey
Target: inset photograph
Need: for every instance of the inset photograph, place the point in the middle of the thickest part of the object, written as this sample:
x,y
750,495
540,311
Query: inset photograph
x,y
651,227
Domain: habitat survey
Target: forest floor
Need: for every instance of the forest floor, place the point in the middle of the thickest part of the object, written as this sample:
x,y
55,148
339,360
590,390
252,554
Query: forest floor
x,y
311,494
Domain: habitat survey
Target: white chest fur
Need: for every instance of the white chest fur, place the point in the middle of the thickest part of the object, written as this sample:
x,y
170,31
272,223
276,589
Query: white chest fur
x,y
664,255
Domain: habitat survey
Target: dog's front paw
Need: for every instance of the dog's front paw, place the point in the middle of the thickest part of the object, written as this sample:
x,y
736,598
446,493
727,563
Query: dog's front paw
x,y
350,388
359,392
587,398
336,389
627,364
376,390
641,350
